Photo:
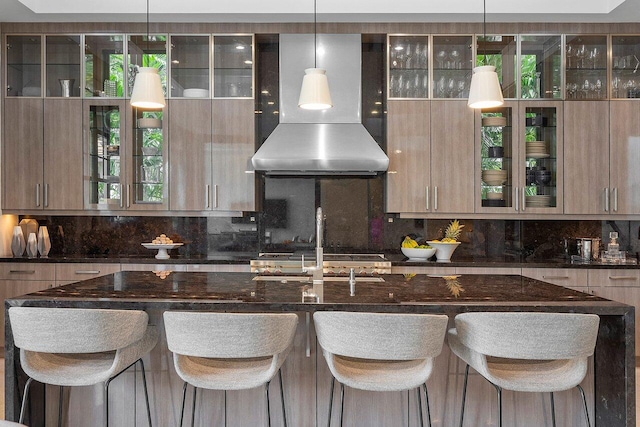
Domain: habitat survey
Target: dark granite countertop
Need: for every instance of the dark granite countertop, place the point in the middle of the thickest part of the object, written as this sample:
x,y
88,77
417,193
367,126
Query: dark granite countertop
x,y
238,291
396,260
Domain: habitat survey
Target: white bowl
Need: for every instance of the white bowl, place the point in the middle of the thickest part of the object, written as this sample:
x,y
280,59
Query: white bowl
x,y
149,122
418,254
494,196
444,250
195,93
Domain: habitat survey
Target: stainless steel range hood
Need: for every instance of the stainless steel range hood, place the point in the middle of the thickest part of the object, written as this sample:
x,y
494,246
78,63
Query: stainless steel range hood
x,y
329,142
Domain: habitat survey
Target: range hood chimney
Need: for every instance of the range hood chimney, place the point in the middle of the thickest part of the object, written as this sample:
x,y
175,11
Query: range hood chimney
x,y
325,142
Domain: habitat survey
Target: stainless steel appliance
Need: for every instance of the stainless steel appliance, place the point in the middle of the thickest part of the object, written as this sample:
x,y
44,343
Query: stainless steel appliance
x,y
340,264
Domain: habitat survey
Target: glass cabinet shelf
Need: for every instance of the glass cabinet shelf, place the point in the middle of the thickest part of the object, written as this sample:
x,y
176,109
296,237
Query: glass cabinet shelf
x,y
146,51
104,163
408,67
452,66
501,52
148,158
190,64
24,66
104,66
586,67
63,66
540,66
233,66
496,157
625,81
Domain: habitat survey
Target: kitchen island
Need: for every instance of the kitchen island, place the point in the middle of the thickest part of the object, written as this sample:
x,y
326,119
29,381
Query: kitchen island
x,y
610,385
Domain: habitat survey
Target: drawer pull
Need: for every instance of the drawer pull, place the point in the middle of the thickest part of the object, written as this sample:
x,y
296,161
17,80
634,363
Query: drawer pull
x,y
555,277
22,271
623,278
87,271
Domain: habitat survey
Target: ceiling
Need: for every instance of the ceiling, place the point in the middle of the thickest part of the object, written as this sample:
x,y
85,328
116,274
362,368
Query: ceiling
x,y
328,11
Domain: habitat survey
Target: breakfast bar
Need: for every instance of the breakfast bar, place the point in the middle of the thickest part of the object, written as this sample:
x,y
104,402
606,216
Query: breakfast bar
x,y
609,385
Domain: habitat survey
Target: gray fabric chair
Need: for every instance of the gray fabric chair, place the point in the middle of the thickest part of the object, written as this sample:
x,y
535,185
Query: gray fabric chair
x,y
380,352
229,351
10,424
531,352
80,347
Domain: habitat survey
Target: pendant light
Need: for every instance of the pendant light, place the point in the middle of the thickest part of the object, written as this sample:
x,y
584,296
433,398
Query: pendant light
x,y
485,90
314,94
147,88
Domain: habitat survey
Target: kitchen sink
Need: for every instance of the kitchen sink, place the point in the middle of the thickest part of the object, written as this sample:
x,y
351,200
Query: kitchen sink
x,y
309,279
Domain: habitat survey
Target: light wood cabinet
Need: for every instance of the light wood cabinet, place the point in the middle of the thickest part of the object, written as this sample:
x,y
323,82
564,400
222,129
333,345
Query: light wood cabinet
x,y
233,145
572,278
586,157
75,272
624,174
42,169
190,154
19,278
22,155
430,149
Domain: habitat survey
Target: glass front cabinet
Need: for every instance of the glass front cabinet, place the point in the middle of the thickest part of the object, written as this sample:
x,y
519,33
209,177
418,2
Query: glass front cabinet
x,y
24,66
625,73
521,158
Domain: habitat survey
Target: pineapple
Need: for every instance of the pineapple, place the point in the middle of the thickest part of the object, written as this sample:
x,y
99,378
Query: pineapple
x,y
452,233
453,285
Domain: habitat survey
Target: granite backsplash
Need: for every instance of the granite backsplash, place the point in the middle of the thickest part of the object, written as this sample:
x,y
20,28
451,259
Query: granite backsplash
x,y
509,239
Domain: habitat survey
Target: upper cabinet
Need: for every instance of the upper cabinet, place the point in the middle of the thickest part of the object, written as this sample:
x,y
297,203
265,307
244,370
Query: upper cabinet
x,y
24,65
147,51
540,67
62,72
104,66
586,67
233,66
452,66
190,66
408,67
625,81
501,52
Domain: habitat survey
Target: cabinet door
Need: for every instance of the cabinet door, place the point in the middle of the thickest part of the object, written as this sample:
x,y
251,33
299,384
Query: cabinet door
x,y
625,157
63,180
586,157
572,278
408,142
233,146
624,294
452,158
190,155
23,154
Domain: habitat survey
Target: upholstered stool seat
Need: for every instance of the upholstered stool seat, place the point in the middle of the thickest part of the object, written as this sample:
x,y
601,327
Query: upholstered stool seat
x,y
380,352
80,347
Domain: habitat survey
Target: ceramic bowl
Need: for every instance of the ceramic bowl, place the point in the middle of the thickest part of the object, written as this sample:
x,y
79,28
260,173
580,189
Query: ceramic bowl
x,y
444,250
195,93
418,254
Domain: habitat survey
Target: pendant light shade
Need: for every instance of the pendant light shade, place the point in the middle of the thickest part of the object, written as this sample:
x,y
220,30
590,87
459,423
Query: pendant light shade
x,y
485,90
314,94
147,89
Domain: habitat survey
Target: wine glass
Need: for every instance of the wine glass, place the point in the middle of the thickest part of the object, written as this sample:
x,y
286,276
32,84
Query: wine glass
x,y
570,52
462,85
455,58
580,54
598,87
440,56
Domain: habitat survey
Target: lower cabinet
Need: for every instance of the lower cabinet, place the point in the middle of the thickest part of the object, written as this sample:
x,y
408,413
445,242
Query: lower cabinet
x,y
572,278
19,278
73,272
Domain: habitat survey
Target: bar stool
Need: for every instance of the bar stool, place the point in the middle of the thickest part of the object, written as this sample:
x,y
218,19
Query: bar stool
x,y
380,352
10,424
80,347
229,351
531,352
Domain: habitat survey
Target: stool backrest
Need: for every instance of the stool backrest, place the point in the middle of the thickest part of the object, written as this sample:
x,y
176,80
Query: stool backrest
x,y
381,336
229,335
75,330
540,336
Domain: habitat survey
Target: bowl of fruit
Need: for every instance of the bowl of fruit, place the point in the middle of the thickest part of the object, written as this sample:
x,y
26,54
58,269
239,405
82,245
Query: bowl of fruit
x,y
446,246
415,252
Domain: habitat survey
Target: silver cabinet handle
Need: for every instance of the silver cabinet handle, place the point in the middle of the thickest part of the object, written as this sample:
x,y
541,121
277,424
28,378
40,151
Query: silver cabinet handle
x,y
427,194
121,196
606,199
207,196
555,277
516,197
215,196
87,271
615,199
435,198
524,203
623,278
308,334
46,195
128,195
37,195
22,271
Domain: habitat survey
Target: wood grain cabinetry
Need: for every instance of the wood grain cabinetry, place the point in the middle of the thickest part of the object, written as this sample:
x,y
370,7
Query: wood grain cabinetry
x,y
573,278
19,278
586,157
75,272
430,148
624,174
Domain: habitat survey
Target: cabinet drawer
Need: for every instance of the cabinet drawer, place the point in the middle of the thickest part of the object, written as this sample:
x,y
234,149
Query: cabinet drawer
x,y
219,268
27,271
567,277
76,272
614,277
504,271
154,267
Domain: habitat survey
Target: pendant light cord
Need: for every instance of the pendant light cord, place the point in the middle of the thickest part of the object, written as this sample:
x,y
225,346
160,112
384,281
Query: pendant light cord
x,y
147,27
484,30
315,33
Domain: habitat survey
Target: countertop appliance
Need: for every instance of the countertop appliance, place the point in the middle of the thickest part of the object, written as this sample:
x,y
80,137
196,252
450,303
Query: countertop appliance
x,y
340,264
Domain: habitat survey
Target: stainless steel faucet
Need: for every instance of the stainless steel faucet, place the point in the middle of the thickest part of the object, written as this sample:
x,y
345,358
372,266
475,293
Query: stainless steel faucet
x,y
317,270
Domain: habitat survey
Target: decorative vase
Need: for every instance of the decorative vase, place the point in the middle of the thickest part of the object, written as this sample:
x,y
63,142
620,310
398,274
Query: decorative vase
x,y
44,242
17,242
32,245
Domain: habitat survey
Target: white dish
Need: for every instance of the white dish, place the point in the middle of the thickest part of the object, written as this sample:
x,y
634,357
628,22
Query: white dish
x,y
418,254
149,122
444,250
494,121
195,93
162,249
494,196
538,155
